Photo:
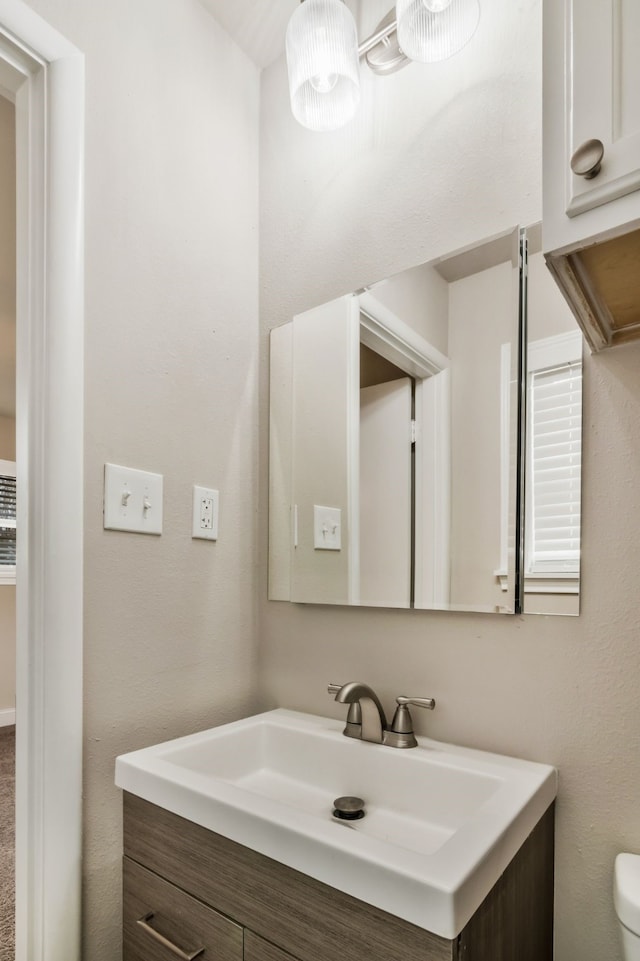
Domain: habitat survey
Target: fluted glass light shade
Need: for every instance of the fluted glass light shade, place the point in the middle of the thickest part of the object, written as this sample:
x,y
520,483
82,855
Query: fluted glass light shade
x,y
430,30
322,59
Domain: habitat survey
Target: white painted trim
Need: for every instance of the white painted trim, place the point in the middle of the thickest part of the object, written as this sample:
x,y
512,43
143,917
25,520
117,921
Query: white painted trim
x,y
537,583
8,468
383,332
353,449
432,585
554,351
7,717
282,529
49,95
505,452
604,193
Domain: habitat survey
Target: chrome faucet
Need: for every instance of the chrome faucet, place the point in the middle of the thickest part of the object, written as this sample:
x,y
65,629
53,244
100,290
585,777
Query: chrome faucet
x,y
367,721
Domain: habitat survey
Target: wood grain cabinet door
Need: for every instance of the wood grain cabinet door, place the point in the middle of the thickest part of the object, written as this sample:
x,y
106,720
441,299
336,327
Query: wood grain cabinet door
x,y
257,949
162,923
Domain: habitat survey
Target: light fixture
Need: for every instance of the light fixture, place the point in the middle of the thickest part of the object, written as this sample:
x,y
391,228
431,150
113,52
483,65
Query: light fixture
x,y
323,53
430,30
322,59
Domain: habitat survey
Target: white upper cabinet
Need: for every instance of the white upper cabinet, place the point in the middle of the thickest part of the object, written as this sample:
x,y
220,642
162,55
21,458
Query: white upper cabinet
x,y
592,92
591,223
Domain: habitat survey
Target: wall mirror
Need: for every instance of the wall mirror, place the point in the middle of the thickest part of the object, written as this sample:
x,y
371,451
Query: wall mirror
x,y
397,414
550,559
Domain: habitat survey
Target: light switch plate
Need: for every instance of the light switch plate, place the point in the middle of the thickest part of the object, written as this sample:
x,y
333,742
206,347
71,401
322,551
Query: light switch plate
x,y
206,508
132,500
327,524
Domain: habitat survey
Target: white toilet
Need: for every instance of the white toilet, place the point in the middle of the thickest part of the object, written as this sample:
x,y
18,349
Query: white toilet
x,y
626,898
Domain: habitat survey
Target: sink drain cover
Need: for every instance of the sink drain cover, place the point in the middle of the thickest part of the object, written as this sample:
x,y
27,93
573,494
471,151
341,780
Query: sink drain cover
x,y
348,808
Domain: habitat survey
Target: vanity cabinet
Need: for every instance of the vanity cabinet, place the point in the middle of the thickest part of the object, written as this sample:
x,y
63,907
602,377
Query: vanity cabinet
x,y
159,920
591,235
207,892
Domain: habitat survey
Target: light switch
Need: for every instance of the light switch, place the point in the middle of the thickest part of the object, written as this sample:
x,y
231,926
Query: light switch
x,y
132,500
327,523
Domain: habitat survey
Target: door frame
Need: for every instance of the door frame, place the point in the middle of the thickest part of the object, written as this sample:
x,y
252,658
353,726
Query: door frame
x,y
44,75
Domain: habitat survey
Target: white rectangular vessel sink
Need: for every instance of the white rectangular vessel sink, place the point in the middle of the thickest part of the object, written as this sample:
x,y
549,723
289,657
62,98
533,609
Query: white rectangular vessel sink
x,y
441,824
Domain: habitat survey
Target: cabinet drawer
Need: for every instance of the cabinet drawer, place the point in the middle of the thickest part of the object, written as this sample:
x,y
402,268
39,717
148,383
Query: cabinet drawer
x,y
162,923
257,949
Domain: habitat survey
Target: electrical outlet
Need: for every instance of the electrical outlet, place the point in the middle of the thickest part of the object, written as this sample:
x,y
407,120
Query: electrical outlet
x,y
205,513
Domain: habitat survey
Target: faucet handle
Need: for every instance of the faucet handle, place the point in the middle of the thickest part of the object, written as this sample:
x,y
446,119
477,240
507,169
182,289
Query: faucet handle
x,y
427,702
400,734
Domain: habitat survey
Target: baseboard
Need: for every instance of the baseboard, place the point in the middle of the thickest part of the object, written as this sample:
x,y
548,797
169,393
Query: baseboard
x,y
7,718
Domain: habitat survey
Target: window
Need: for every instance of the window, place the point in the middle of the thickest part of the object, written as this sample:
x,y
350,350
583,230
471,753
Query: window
x,y
553,458
554,463
7,522
555,404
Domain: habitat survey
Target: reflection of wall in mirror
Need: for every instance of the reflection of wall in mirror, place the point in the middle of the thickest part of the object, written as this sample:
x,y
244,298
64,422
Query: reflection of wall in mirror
x,y
481,319
325,403
419,297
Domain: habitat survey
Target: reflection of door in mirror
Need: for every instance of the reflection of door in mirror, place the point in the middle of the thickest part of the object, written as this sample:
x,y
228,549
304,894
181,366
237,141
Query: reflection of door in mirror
x,y
386,482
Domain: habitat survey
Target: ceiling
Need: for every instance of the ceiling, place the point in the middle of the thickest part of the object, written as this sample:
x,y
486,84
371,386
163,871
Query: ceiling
x,y
257,26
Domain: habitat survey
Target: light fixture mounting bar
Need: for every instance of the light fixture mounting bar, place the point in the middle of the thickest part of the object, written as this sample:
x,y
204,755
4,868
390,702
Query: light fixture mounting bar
x,y
384,30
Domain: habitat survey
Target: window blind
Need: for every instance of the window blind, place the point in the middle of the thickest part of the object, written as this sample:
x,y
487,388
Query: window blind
x,y
556,453
7,520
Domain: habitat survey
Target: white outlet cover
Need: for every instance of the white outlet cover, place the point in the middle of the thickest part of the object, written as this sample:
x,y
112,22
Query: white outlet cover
x,y
206,511
132,500
327,528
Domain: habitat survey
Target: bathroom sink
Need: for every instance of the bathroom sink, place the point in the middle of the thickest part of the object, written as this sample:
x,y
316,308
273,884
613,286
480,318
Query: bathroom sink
x,y
441,822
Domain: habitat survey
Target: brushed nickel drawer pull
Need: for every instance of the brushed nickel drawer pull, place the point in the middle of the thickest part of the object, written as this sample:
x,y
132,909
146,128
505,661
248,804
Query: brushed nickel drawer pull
x,y
160,938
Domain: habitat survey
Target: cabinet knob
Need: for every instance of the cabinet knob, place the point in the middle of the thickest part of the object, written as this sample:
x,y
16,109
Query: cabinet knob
x,y
587,160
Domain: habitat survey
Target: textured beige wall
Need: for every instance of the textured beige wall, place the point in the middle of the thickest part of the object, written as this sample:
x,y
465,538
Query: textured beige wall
x,y
340,210
171,342
7,438
7,258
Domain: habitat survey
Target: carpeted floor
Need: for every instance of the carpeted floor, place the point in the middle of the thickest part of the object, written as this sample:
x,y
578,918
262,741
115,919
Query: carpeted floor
x,y
7,843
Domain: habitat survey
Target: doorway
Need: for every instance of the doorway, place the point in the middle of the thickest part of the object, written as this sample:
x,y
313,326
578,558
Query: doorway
x,y
43,76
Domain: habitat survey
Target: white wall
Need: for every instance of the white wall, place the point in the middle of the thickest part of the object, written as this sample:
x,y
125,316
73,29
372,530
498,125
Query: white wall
x,y
421,172
171,344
